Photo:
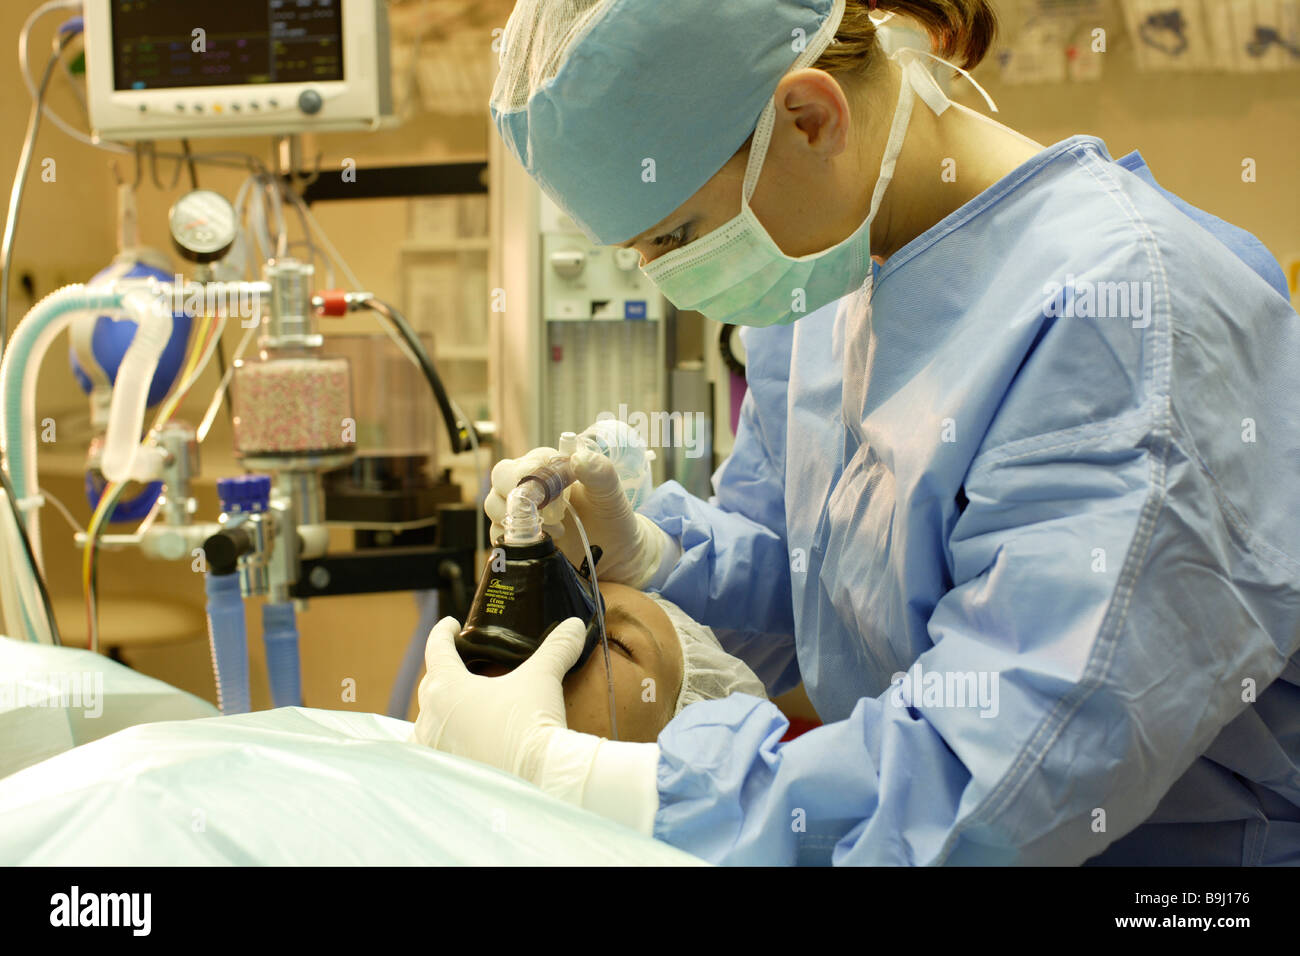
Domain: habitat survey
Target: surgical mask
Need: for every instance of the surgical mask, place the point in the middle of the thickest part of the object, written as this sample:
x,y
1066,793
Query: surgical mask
x,y
737,275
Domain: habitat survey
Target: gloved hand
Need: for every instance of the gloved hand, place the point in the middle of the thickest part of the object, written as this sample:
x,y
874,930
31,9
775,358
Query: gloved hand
x,y
505,475
506,721
633,545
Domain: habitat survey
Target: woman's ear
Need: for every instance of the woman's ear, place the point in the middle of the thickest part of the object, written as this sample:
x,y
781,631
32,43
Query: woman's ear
x,y
813,103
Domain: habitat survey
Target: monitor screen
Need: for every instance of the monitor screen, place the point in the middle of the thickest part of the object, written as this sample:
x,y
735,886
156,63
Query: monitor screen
x,y
245,41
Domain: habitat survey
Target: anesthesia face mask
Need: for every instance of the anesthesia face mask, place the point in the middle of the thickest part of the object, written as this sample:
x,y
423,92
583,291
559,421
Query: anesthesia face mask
x,y
529,586
525,591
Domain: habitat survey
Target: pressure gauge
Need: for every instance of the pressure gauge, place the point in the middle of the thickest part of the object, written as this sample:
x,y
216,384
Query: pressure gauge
x,y
203,225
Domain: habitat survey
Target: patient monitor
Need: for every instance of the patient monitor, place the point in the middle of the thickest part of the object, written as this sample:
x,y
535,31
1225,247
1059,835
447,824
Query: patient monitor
x,y
164,68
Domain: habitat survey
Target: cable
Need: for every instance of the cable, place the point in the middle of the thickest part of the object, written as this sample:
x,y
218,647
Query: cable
x,y
333,254
279,190
200,354
147,523
600,618
215,158
210,334
225,396
6,264
24,36
462,438
457,429
230,158
12,498
298,205
479,490
256,201
63,510
90,559
16,619
210,415
189,163
271,186
408,343
16,194
325,241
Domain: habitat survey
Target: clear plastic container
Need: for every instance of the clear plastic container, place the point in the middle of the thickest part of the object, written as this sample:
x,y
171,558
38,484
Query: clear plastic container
x,y
395,411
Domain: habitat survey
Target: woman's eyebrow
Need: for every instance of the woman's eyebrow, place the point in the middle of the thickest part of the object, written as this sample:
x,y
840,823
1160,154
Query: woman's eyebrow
x,y
619,614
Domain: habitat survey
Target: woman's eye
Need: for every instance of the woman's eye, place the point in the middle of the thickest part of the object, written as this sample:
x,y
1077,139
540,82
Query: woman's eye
x,y
678,237
619,644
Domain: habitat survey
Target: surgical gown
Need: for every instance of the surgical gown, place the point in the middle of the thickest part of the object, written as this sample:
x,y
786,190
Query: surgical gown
x,y
1053,458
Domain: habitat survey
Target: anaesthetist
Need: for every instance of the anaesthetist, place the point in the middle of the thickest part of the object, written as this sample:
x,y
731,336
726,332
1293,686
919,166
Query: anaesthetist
x,y
1019,504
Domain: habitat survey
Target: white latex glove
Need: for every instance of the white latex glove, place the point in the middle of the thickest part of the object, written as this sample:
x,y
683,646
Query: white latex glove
x,y
516,723
633,545
503,721
505,475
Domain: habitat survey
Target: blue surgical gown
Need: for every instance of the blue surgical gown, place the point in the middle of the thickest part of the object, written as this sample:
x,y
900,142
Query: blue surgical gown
x,y
989,467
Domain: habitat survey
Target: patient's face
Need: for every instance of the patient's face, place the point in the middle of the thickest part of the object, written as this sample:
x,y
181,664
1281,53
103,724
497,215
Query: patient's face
x,y
645,658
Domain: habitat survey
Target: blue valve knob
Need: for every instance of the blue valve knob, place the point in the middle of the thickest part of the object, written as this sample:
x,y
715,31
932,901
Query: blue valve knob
x,y
244,493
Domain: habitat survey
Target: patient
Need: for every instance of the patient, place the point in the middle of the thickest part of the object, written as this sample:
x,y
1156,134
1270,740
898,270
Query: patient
x,y
661,660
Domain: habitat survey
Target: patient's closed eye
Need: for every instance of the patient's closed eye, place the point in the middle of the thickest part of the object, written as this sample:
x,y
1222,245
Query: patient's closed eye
x,y
615,642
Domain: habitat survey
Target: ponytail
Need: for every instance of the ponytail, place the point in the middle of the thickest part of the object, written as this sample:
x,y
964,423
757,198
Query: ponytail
x,y
961,30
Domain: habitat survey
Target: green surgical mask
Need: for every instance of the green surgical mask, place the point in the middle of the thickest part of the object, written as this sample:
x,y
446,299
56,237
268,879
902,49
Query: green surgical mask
x,y
736,274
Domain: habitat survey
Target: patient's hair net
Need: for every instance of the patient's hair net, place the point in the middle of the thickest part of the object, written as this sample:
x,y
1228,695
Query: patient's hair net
x,y
708,672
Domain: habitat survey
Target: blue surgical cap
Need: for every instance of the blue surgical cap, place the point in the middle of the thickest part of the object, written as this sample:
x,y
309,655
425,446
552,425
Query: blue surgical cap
x,y
622,109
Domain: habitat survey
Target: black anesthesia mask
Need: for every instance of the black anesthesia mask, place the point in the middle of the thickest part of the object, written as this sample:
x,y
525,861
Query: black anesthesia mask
x,y
525,591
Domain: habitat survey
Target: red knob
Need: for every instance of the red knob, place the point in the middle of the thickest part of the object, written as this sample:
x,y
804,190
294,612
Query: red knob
x,y
333,302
